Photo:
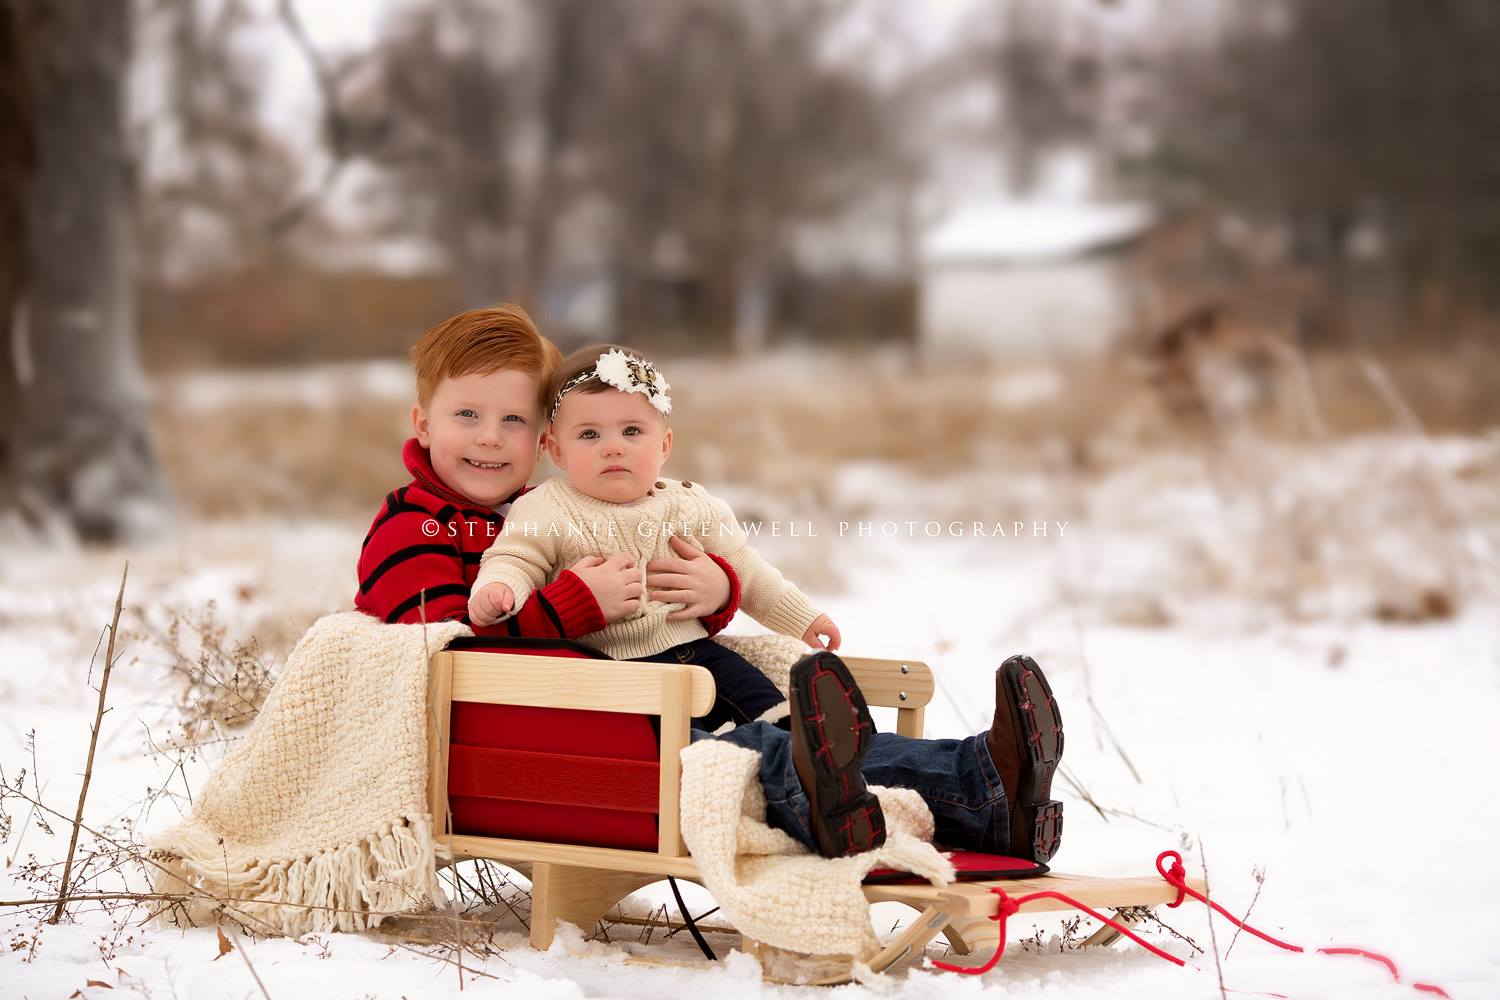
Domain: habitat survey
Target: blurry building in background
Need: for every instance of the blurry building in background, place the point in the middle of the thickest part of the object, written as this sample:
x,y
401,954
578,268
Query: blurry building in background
x,y
1030,281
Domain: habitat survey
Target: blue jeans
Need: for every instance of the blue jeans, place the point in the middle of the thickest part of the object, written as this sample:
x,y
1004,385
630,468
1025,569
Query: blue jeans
x,y
956,778
741,693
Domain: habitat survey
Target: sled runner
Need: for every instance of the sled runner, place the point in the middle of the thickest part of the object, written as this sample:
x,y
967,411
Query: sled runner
x,y
546,756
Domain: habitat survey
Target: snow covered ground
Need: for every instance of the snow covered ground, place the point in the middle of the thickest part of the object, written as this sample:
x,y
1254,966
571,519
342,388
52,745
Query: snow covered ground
x,y
1343,759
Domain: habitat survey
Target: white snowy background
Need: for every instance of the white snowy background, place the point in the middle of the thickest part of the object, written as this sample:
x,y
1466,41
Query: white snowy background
x,y
1281,660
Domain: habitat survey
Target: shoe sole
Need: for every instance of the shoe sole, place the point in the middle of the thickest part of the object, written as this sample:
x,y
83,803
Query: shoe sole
x,y
836,729
1037,719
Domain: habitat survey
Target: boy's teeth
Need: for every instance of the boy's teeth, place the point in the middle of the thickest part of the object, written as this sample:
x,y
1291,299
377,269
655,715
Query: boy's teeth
x,y
486,465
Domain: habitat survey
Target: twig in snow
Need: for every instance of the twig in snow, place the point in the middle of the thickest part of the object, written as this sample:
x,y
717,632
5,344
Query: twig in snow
x,y
1088,692
440,958
1148,915
1213,936
1080,791
1260,880
1105,812
239,946
88,771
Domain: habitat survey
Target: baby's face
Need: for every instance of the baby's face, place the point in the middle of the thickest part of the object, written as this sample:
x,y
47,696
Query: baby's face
x,y
611,445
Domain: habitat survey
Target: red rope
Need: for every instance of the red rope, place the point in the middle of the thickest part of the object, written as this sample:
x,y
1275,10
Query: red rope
x,y
1010,904
1176,876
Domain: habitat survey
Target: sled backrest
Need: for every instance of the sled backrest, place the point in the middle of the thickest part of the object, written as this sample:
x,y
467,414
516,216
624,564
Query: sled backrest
x,y
543,749
548,741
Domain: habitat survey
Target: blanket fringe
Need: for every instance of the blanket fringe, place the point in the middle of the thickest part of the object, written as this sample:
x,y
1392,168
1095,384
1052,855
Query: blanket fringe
x,y
348,888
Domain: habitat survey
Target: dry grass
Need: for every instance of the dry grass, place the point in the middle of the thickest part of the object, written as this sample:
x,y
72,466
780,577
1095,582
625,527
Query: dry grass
x,y
783,422
288,459
1271,516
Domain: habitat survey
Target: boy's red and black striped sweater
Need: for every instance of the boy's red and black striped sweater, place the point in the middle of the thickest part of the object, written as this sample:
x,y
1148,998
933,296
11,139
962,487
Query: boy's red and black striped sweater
x,y
429,538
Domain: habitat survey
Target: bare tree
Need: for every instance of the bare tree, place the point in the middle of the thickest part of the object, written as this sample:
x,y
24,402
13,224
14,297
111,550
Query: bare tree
x,y
448,99
78,445
1362,126
710,126
1048,74
217,189
722,127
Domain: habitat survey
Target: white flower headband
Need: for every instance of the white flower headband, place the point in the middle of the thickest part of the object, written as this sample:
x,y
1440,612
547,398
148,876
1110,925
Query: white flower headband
x,y
619,370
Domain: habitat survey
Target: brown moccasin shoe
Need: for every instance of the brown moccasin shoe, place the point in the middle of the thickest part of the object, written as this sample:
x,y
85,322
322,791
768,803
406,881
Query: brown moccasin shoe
x,y
831,732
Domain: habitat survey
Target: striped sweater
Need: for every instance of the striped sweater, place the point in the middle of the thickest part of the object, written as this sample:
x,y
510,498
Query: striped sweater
x,y
429,538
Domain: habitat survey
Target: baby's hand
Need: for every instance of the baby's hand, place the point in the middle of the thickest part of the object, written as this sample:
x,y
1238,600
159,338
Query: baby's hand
x,y
490,603
821,627
615,583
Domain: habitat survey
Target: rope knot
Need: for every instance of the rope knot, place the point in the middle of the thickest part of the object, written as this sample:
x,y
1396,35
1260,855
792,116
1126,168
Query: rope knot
x,y
1175,875
1007,906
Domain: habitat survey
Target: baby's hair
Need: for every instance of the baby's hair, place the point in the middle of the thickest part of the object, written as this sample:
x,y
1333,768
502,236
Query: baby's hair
x,y
576,364
484,341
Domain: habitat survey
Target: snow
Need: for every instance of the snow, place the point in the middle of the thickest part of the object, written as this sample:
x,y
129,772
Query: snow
x,y
207,391
1022,231
1345,758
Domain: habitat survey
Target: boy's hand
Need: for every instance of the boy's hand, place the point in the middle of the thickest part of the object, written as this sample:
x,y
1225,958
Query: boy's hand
x,y
615,583
694,581
490,603
821,627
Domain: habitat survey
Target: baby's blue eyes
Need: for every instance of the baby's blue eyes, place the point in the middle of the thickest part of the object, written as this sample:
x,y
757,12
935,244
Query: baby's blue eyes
x,y
508,418
590,434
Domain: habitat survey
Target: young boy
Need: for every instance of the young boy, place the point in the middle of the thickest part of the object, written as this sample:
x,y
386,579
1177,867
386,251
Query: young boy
x,y
608,433
478,418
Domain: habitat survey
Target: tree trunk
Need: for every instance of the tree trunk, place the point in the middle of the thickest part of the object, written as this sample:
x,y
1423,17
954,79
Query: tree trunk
x,y
79,444
17,162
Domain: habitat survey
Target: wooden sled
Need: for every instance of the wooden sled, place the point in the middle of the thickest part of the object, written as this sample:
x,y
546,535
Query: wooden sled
x,y
580,883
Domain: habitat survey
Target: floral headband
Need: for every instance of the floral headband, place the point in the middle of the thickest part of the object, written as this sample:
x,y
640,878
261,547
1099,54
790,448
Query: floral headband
x,y
619,370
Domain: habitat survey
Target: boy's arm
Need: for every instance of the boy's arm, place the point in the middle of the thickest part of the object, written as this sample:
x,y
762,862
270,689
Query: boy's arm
x,y
408,572
720,619
402,558
765,594
564,609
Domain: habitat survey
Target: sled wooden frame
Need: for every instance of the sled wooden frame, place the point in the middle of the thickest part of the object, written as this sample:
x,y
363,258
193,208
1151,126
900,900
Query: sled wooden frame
x,y
580,884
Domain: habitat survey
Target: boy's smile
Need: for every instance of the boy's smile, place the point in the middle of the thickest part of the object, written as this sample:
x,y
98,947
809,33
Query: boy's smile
x,y
610,444
482,432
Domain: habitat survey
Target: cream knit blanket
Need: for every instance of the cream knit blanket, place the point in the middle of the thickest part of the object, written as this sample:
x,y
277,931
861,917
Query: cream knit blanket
x,y
318,819
768,885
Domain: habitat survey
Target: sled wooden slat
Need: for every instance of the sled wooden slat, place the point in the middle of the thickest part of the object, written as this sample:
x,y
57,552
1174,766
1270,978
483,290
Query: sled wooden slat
x,y
552,682
676,697
603,858
974,899
439,724
885,682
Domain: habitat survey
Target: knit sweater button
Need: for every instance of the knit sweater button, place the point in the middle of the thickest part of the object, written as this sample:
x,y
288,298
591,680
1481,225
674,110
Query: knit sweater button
x,y
660,485
686,485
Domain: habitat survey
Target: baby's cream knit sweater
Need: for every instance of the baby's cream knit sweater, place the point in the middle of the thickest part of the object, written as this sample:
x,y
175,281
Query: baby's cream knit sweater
x,y
554,525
